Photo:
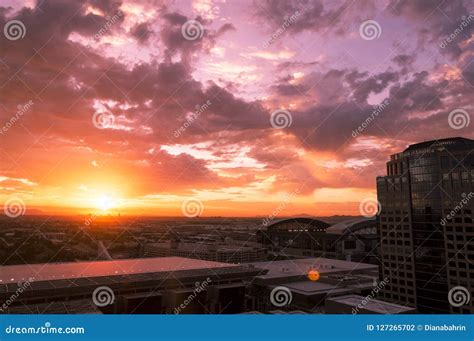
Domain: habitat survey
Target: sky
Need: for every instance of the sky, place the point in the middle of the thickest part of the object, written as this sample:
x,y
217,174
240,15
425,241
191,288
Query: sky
x,y
223,107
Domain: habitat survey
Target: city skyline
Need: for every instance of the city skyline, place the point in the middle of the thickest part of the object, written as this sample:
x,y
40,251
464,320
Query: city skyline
x,y
235,108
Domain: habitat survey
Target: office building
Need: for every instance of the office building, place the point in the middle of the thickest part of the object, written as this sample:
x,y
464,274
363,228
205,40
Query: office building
x,y
426,230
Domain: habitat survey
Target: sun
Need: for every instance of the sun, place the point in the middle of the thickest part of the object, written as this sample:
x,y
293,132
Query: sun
x,y
105,203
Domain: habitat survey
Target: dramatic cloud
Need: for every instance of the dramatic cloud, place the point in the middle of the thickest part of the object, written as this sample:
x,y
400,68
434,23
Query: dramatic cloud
x,y
155,101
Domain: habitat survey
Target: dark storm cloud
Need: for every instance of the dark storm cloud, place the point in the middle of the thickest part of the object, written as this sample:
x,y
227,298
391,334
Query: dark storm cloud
x,y
328,124
311,15
403,60
374,85
107,6
174,41
142,32
439,20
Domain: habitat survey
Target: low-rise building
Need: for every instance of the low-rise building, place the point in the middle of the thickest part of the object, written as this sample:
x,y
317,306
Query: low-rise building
x,y
150,285
305,284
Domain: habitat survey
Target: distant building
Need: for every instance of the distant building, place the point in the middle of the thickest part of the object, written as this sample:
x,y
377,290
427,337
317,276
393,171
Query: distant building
x,y
56,237
351,240
139,286
215,251
426,227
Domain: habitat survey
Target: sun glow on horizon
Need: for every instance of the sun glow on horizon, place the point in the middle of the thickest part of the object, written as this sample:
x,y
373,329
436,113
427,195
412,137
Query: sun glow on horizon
x,y
105,203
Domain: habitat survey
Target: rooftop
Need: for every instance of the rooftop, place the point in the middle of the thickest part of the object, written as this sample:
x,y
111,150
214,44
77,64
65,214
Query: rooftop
x,y
59,271
374,305
453,141
352,225
300,223
315,288
300,267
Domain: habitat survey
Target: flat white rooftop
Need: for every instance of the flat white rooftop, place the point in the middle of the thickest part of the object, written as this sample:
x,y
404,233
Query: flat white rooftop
x,y
299,267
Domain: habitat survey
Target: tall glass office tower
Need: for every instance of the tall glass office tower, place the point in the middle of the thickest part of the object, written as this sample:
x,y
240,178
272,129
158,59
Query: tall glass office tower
x,y
426,231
